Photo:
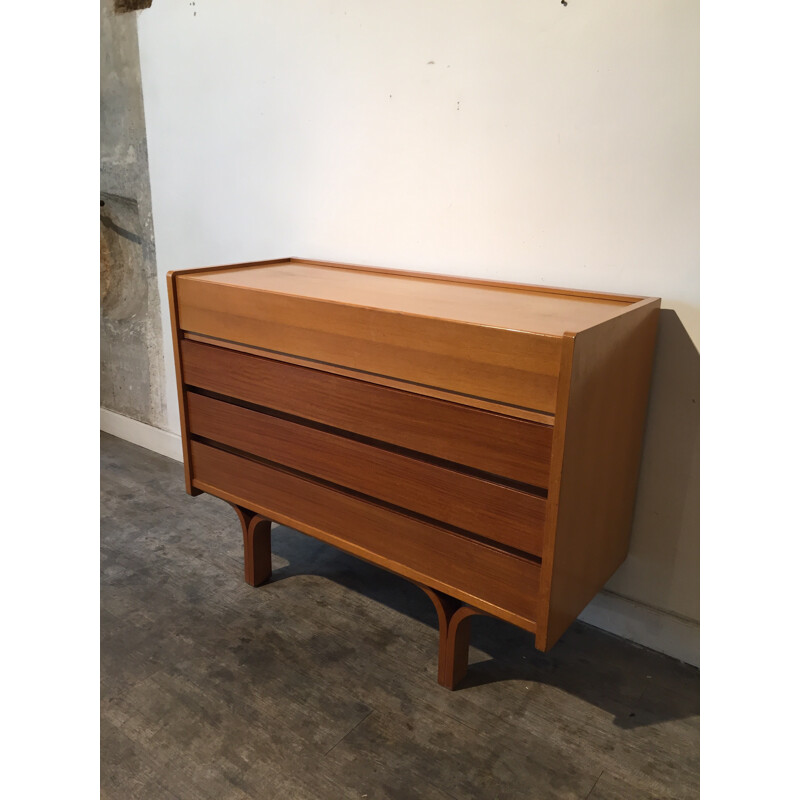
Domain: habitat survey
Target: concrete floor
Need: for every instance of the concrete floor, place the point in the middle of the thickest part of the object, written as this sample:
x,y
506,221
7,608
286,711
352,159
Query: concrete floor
x,y
322,684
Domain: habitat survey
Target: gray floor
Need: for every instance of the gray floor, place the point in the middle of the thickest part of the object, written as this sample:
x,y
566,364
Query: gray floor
x,y
322,684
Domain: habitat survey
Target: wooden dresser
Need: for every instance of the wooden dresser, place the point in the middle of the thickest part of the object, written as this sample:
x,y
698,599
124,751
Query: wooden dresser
x,y
481,439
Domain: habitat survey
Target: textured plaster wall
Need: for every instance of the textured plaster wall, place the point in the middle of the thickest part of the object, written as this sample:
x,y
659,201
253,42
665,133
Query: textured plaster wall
x,y
131,349
518,140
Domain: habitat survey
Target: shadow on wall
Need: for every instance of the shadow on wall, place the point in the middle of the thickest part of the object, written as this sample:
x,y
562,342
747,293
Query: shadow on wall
x,y
663,565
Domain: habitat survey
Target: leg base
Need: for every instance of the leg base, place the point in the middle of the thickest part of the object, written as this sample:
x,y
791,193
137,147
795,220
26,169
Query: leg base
x,y
454,630
257,546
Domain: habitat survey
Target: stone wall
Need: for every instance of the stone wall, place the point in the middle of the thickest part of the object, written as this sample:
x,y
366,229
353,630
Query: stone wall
x,y
131,351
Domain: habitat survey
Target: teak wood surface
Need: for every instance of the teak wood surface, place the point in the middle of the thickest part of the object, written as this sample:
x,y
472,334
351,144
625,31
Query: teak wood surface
x,y
595,469
496,305
513,367
514,517
375,379
478,573
500,445
479,438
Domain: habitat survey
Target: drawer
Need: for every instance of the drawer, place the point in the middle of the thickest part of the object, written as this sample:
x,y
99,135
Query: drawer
x,y
502,513
438,557
481,361
508,447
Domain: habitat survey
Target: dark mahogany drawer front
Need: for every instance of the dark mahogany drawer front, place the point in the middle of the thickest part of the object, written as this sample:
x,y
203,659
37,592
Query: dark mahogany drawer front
x,y
422,550
512,448
501,513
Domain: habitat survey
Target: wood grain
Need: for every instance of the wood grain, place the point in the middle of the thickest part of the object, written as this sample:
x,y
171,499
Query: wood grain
x,y
429,277
481,575
596,454
372,378
512,448
500,364
522,308
506,515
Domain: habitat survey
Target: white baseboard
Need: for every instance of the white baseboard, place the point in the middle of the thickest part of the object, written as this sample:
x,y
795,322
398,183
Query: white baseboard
x,y
650,627
659,630
159,441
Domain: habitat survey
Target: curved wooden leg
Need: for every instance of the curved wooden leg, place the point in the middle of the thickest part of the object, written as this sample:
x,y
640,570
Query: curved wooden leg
x,y
445,607
454,632
458,646
257,546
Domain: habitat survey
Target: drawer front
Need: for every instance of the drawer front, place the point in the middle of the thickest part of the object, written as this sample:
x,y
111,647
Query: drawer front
x,y
484,362
420,550
514,449
490,509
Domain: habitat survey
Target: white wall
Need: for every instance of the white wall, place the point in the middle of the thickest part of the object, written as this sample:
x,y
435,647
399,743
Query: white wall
x,y
519,140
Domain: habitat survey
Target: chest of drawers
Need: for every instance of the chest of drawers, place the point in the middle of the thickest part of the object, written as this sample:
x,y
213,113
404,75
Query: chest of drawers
x,y
481,439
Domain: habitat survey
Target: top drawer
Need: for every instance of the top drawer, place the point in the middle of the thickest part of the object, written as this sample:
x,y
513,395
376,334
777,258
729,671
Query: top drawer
x,y
476,362
511,448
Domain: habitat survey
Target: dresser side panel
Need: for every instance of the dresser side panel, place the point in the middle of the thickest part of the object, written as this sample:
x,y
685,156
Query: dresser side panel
x,y
597,446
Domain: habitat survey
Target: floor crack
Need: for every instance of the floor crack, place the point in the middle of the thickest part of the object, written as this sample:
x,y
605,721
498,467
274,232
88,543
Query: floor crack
x,y
594,784
337,743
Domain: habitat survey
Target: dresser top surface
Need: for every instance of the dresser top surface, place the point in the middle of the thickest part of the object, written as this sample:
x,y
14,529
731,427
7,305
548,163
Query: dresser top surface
x,y
520,307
